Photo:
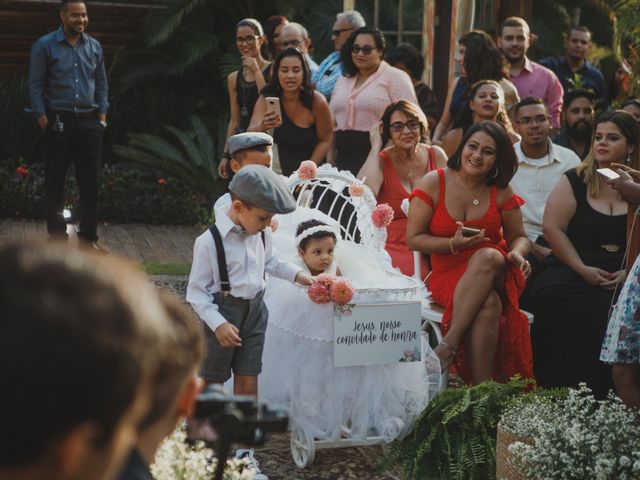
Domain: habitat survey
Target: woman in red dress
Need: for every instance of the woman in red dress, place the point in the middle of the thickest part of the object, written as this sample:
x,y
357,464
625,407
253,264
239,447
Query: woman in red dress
x,y
477,277
392,173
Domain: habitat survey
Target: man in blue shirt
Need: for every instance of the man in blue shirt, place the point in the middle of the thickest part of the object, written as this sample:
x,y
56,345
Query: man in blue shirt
x,y
574,70
68,90
325,78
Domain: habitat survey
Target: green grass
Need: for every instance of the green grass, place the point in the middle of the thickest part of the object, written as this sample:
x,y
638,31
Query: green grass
x,y
156,268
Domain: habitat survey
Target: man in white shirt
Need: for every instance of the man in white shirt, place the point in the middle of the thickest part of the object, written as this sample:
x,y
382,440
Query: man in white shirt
x,y
296,36
541,164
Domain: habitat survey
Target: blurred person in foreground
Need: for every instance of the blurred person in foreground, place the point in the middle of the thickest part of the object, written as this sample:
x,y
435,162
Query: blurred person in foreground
x,y
80,337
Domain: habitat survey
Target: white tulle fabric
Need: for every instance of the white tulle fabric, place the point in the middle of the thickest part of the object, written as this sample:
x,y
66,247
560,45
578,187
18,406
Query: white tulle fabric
x,y
298,372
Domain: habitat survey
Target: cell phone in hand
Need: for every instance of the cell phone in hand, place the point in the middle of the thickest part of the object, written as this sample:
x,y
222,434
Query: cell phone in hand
x,y
273,106
470,231
608,173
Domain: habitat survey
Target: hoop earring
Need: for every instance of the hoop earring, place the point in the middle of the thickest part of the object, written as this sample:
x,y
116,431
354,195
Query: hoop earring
x,y
495,172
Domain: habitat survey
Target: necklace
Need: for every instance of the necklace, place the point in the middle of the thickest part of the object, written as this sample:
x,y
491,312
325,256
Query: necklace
x,y
475,199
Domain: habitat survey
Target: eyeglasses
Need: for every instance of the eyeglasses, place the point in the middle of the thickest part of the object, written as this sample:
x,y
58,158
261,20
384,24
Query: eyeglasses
x,y
398,127
366,51
335,33
250,40
538,120
291,43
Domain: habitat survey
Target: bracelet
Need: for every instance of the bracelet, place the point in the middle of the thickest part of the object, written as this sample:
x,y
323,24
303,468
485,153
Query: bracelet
x,y
453,250
226,155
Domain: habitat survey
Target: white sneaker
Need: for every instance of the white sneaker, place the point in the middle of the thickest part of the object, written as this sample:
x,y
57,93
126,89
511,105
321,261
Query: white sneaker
x,y
249,457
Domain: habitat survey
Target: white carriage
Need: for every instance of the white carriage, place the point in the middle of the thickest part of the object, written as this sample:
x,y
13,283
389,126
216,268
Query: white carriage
x,y
362,404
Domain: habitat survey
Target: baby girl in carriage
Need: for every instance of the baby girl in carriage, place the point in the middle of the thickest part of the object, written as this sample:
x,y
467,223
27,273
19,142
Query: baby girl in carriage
x,y
298,371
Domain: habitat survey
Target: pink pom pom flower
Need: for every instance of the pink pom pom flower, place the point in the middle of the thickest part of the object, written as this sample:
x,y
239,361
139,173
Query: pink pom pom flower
x,y
274,225
319,293
342,291
356,190
382,215
326,279
307,170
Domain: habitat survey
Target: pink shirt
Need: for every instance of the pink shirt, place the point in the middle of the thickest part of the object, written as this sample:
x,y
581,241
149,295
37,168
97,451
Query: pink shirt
x,y
360,108
538,81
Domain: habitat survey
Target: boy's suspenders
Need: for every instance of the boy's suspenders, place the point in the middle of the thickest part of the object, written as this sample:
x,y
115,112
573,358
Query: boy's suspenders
x,y
225,286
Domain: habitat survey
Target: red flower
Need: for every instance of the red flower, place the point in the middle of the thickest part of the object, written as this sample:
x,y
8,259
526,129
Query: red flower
x,y
22,171
194,197
162,181
382,215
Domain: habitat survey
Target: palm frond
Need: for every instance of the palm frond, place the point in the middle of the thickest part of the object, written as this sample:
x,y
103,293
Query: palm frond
x,y
162,22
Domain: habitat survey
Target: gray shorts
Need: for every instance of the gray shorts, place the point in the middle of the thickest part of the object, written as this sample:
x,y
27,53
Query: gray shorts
x,y
250,317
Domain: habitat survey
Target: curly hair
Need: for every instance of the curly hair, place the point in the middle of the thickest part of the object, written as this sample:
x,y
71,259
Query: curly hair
x,y
483,60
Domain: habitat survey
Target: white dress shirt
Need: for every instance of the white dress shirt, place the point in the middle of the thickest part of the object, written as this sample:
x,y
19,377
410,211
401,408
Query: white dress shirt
x,y
535,179
247,260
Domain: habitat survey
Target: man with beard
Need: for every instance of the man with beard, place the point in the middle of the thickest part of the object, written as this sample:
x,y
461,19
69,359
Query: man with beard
x,y
540,166
530,78
68,90
578,113
574,70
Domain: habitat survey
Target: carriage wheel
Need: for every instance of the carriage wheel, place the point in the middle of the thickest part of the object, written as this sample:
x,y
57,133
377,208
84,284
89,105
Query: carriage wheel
x,y
303,449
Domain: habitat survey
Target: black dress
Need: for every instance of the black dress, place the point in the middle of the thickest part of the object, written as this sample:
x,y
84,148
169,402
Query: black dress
x,y
295,144
246,97
570,314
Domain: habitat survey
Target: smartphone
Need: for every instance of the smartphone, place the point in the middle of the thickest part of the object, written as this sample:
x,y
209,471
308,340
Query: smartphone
x,y
608,173
470,231
273,106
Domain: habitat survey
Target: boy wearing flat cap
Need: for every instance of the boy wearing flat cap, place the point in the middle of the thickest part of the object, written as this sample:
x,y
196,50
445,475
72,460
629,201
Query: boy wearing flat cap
x,y
249,148
226,283
227,276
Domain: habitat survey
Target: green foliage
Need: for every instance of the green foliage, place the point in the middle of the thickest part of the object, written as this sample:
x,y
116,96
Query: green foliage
x,y
127,195
173,269
455,436
189,156
18,129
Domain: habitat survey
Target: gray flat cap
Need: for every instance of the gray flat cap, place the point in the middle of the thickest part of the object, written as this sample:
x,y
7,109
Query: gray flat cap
x,y
259,186
242,141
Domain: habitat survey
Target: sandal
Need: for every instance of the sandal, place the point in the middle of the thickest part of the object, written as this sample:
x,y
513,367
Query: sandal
x,y
444,364
455,381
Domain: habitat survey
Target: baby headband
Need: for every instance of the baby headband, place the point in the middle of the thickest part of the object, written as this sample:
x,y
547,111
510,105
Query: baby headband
x,y
315,229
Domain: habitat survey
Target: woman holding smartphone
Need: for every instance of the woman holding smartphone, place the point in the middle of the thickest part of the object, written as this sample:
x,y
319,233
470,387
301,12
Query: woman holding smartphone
x,y
244,85
477,277
300,116
585,223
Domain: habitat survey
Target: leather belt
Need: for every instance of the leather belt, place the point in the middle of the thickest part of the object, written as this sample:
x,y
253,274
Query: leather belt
x,y
67,113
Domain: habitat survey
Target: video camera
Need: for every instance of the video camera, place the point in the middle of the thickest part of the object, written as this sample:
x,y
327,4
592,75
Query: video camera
x,y
221,419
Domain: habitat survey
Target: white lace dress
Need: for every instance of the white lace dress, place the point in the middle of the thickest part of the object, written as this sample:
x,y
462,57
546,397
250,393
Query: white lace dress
x,y
298,370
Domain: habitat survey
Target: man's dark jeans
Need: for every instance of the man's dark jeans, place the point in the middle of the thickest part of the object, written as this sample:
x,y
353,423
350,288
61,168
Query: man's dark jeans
x,y
80,143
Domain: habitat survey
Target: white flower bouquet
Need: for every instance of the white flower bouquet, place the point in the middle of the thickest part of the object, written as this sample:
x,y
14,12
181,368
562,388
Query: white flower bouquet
x,y
178,460
576,437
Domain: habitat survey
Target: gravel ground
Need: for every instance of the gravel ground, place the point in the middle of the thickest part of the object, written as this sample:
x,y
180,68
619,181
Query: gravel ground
x,y
275,456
